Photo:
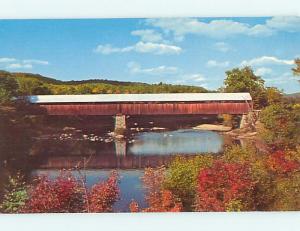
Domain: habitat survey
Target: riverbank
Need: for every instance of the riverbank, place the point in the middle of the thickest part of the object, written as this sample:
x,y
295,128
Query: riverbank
x,y
213,127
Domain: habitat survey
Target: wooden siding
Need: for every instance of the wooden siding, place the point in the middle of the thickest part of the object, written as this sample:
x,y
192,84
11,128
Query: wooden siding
x,y
147,108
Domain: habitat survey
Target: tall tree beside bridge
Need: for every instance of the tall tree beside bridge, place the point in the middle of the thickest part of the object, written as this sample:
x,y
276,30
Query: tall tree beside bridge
x,y
244,80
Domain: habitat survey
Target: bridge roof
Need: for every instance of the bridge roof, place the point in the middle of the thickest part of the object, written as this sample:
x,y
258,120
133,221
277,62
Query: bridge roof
x,y
168,97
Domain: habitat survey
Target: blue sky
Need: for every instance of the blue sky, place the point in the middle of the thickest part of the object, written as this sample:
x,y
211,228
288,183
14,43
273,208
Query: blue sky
x,y
193,51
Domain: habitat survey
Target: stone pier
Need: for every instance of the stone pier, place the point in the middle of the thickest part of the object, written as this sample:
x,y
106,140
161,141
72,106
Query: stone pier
x,y
120,124
244,121
248,120
120,147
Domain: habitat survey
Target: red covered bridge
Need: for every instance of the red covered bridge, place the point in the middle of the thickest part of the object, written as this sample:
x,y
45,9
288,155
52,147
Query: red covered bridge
x,y
144,104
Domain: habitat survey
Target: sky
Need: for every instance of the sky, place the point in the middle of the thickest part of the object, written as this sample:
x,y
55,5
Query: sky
x,y
191,51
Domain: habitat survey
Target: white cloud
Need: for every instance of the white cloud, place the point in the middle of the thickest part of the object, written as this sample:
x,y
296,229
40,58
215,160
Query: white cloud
x,y
7,60
263,71
148,35
219,28
35,61
140,47
109,49
19,66
267,60
13,63
157,48
222,46
194,77
214,63
135,68
284,23
222,28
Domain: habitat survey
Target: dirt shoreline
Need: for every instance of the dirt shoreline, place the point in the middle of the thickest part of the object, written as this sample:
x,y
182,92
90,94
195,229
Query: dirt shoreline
x,y
213,127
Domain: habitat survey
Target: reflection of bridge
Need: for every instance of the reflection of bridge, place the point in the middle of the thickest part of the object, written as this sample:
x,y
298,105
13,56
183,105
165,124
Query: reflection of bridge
x,y
104,161
120,105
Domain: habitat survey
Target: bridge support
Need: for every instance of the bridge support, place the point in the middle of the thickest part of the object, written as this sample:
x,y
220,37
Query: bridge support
x,y
244,121
248,120
120,124
120,147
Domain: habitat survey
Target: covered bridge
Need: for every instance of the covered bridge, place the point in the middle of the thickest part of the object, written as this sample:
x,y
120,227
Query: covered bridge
x,y
144,104
120,105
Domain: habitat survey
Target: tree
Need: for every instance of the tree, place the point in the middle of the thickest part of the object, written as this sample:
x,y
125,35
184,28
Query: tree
x,y
280,126
274,96
296,70
8,89
32,87
244,80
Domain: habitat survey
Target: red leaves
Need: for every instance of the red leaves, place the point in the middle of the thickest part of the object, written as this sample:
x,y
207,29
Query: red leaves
x,y
281,164
61,195
223,183
134,207
163,201
104,195
66,194
158,199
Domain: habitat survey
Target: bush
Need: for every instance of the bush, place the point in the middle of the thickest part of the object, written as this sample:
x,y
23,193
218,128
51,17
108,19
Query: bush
x,y
283,163
67,195
225,186
158,198
103,195
8,89
163,201
181,177
64,194
227,120
15,195
280,126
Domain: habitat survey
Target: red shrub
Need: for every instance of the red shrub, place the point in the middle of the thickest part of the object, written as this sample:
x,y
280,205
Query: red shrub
x,y
134,207
281,164
69,193
163,201
223,184
103,195
158,199
66,194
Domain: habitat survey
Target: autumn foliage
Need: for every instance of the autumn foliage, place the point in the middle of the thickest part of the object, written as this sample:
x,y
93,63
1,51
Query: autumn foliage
x,y
103,195
280,163
158,198
66,194
223,184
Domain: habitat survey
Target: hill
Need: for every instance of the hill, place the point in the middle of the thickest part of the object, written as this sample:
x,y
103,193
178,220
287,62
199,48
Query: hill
x,y
37,84
293,95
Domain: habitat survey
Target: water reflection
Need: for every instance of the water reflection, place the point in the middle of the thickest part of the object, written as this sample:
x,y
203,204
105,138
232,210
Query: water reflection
x,y
185,141
128,156
149,149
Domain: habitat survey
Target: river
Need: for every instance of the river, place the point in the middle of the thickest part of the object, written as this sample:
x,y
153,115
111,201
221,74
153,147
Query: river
x,y
148,143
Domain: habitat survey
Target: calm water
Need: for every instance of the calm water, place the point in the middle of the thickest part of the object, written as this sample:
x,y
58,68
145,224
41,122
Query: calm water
x,y
129,156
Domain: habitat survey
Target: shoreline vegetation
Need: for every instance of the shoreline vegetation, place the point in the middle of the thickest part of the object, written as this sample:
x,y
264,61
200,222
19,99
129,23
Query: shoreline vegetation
x,y
243,178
